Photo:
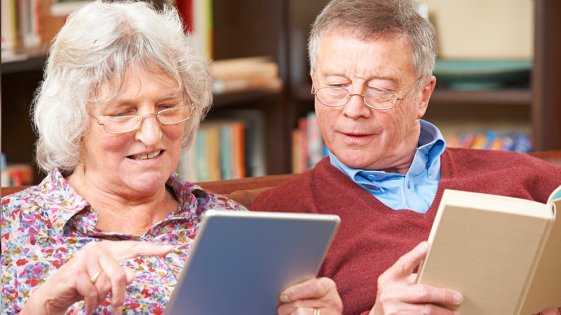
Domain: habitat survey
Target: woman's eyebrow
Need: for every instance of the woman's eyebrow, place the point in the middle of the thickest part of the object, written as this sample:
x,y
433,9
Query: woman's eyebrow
x,y
170,96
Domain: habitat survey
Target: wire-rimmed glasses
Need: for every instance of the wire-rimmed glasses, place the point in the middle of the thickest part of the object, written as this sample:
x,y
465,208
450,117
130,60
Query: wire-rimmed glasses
x,y
169,116
337,96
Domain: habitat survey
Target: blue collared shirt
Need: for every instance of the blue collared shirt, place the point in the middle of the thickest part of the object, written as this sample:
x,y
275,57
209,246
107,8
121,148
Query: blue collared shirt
x,y
416,189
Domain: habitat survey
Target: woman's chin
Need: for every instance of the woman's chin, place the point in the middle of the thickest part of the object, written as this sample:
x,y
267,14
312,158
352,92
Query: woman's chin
x,y
147,184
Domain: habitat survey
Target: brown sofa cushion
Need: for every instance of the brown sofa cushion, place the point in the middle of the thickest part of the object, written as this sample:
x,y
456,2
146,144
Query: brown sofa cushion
x,y
245,190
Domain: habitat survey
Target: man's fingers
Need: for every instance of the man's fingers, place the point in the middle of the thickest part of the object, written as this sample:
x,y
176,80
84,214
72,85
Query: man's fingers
x,y
289,309
422,293
412,279
404,267
310,289
551,311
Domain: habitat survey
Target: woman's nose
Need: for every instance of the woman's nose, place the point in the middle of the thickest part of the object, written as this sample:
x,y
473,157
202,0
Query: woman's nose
x,y
150,131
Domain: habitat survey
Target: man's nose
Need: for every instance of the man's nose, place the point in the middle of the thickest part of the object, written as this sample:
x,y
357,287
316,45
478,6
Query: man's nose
x,y
355,107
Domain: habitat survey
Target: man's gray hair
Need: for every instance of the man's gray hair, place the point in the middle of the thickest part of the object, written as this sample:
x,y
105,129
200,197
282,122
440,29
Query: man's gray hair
x,y
372,19
97,45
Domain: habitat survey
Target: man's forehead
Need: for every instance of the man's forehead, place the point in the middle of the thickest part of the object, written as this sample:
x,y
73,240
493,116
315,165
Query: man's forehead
x,y
339,54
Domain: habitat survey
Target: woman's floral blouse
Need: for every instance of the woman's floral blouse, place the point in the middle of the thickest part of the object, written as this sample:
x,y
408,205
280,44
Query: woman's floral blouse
x,y
45,225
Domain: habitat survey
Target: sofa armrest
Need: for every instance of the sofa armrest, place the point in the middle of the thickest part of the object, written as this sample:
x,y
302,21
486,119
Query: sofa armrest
x,y
246,197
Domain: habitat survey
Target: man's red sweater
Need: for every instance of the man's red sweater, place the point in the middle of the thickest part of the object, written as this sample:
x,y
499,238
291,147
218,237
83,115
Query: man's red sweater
x,y
372,236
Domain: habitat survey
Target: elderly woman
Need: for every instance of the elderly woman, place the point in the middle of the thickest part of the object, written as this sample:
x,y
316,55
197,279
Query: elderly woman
x,y
109,228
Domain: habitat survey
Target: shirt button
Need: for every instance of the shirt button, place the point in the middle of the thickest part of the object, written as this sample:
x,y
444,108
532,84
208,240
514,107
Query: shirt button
x,y
428,164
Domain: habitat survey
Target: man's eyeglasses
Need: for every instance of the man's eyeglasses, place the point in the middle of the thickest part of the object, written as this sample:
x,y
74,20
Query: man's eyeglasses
x,y
170,116
336,96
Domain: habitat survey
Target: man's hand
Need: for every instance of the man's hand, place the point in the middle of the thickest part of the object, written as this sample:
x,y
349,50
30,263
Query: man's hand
x,y
551,311
398,293
303,298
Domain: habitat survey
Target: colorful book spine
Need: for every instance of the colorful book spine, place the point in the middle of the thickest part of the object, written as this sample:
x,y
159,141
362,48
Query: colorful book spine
x,y
491,140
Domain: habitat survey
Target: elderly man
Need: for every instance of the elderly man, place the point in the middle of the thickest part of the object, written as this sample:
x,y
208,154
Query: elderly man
x,y
371,67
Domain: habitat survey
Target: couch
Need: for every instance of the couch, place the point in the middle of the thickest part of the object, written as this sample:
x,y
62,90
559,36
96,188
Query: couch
x,y
245,190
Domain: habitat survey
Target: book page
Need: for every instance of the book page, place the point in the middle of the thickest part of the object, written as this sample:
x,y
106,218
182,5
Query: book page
x,y
545,290
556,194
481,250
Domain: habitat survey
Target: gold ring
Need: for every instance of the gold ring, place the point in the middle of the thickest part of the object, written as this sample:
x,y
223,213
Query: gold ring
x,y
316,311
94,278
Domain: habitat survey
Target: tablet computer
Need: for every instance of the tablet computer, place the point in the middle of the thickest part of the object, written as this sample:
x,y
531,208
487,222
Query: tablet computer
x,y
240,262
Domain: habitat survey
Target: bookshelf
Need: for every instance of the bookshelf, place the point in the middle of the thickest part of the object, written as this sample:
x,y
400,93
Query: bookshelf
x,y
244,28
535,108
248,28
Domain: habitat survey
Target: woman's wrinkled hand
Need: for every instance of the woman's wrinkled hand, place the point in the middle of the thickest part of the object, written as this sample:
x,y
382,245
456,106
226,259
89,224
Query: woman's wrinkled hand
x,y
74,281
312,297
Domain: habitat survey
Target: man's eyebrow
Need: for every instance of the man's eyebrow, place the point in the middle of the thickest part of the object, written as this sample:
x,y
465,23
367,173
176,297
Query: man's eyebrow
x,y
381,77
333,74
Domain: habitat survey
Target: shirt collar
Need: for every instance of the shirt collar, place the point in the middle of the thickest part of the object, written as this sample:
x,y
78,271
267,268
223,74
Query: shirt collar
x,y
431,146
62,202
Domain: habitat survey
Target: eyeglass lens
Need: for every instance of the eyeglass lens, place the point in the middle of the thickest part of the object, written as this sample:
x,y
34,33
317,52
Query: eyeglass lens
x,y
131,122
338,96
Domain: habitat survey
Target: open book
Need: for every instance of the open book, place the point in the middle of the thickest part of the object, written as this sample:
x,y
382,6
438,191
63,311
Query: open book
x,y
503,254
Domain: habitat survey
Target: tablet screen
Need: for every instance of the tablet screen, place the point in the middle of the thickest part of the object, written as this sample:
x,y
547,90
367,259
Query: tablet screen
x,y
241,261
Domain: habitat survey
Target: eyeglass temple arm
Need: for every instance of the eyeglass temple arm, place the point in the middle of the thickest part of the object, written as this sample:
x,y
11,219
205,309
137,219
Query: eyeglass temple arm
x,y
96,120
404,96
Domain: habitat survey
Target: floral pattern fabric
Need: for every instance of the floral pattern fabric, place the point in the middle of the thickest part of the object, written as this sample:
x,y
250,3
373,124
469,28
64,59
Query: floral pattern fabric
x,y
46,225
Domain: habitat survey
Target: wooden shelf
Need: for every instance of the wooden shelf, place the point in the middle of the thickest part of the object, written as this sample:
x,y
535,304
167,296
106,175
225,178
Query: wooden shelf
x,y
503,96
21,60
229,99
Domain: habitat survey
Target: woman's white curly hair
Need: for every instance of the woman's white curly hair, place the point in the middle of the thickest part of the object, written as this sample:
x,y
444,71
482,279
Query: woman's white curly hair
x,y
97,45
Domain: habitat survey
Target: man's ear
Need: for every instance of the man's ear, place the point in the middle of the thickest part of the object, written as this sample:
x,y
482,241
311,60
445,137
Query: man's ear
x,y
426,93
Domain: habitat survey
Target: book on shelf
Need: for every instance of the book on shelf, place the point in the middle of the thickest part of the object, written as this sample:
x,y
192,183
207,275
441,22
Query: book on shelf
x,y
502,253
308,147
315,140
491,140
228,146
63,8
197,21
21,24
245,74
16,174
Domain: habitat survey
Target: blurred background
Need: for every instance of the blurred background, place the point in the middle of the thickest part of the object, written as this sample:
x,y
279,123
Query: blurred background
x,y
498,73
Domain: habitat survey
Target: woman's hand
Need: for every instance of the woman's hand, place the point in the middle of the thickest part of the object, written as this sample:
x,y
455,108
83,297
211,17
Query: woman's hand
x,y
74,281
313,297
398,293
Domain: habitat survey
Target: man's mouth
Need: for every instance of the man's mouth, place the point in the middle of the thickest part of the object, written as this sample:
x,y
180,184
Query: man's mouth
x,y
145,156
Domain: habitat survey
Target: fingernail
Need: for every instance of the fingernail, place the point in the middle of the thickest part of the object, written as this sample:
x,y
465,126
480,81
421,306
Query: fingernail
x,y
458,298
284,298
424,246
